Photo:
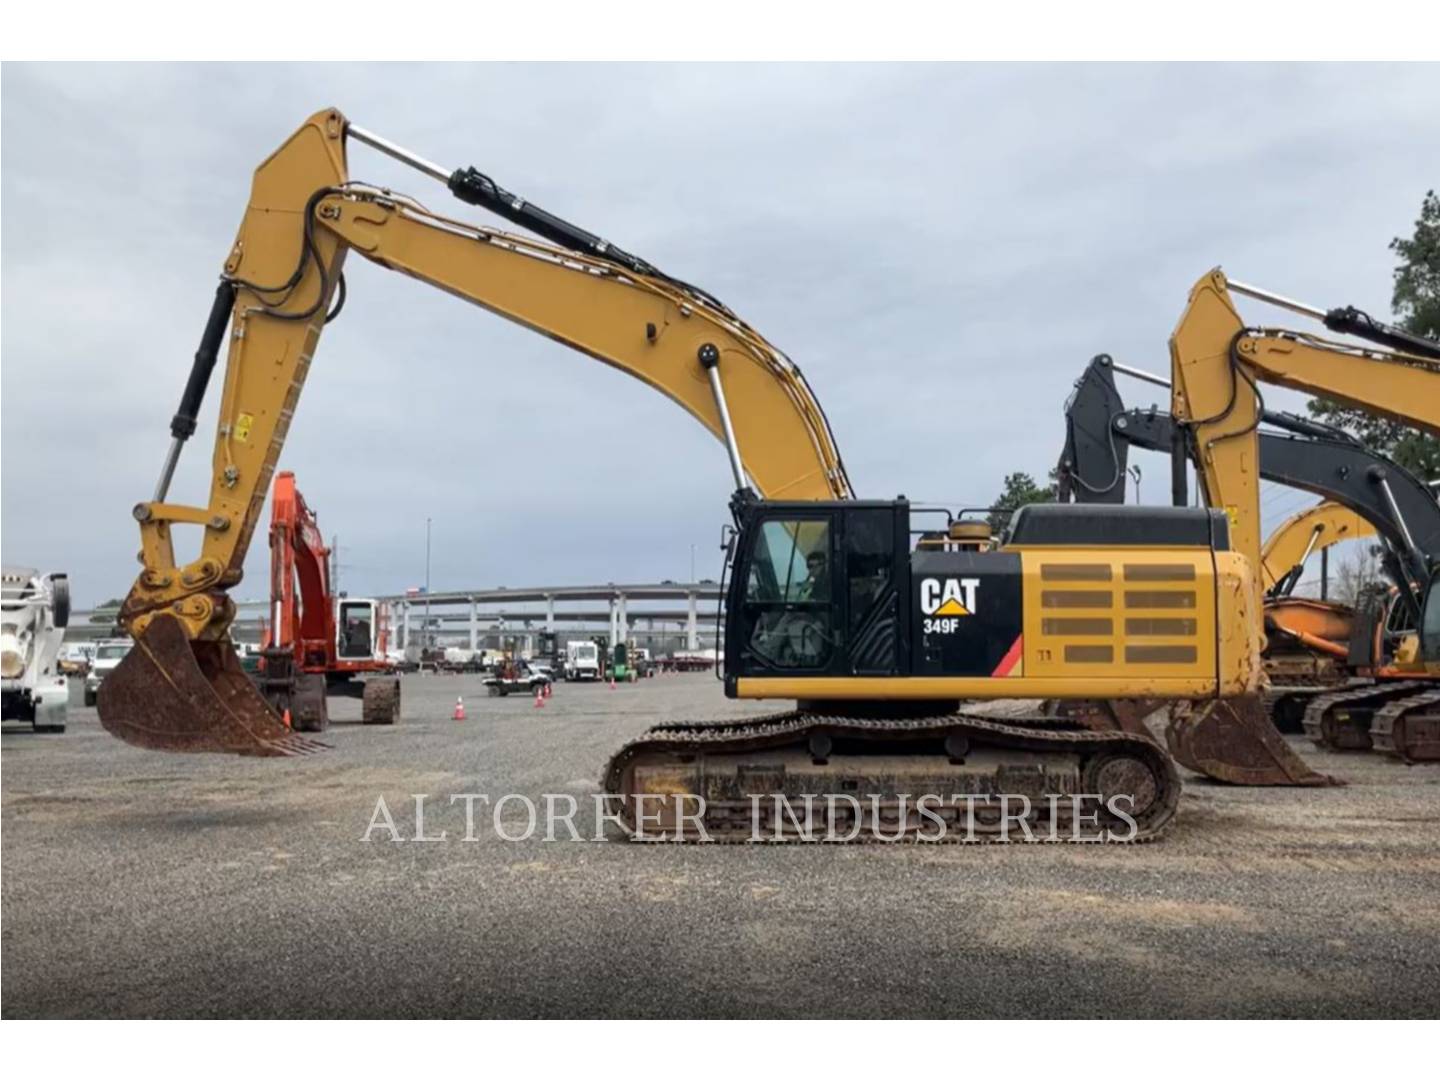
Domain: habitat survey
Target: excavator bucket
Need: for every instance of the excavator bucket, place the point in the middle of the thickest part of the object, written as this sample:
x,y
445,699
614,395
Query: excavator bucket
x,y
171,693
1233,741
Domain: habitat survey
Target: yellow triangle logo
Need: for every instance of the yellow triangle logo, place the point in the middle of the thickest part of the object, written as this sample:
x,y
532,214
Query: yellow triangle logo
x,y
951,607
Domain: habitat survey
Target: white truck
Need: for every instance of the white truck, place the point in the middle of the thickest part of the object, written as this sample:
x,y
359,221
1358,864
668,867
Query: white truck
x,y
108,655
34,611
582,661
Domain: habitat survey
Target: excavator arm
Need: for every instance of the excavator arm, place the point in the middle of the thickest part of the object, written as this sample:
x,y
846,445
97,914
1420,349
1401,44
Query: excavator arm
x,y
182,689
1303,454
1218,362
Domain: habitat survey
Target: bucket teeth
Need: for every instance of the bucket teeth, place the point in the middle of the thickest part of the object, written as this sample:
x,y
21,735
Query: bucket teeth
x,y
1233,741
183,696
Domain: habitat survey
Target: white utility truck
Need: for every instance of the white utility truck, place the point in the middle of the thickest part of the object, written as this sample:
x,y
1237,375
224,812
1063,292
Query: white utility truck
x,y
34,610
582,661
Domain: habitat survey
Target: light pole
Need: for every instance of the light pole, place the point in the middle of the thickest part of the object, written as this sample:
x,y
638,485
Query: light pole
x,y
1134,471
425,637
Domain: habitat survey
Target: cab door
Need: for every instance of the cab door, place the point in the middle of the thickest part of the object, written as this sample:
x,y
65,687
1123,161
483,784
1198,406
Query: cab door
x,y
871,594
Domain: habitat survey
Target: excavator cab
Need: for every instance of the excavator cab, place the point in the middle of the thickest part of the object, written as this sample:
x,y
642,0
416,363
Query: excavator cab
x,y
853,602
814,590
355,625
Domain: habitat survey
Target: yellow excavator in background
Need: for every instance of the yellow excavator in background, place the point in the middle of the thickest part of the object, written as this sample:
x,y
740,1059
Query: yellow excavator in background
x,y
831,600
1308,639
1217,364
1314,650
1305,533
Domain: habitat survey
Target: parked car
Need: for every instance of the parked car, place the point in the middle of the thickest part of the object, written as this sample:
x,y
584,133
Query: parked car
x,y
108,655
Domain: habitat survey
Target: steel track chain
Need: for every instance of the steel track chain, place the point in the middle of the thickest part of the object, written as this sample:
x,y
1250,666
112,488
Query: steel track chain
x,y
1382,727
1038,732
1314,721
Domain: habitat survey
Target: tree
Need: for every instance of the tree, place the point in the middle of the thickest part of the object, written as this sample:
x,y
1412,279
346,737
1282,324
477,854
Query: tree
x,y
1020,490
1415,299
107,611
1354,575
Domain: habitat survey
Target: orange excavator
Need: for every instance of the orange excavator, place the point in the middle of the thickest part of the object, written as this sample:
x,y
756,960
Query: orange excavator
x,y
318,642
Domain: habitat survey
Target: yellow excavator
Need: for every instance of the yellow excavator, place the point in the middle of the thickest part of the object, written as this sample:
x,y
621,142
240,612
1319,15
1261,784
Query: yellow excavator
x,y
831,601
1307,532
1218,362
1308,639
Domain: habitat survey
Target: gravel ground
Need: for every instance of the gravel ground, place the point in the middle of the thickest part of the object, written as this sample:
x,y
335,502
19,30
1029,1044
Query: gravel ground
x,y
142,884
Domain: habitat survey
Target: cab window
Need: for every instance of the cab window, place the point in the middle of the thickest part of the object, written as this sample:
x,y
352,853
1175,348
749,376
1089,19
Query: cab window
x,y
354,632
789,603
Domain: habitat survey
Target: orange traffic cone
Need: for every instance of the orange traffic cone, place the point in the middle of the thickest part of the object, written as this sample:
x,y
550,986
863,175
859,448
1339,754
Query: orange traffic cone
x,y
549,689
286,718
459,709
539,697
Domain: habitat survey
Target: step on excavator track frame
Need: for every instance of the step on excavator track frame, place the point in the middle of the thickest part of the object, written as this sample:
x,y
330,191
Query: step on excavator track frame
x,y
734,763
1342,720
1409,728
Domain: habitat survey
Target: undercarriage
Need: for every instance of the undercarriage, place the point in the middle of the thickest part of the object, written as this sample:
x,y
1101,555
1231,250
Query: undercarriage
x,y
969,774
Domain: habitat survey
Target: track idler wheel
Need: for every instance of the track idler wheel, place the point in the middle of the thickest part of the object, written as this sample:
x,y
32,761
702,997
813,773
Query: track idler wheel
x,y
1233,741
171,693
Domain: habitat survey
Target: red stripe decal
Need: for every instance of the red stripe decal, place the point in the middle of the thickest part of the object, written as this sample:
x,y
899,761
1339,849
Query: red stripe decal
x,y
1009,660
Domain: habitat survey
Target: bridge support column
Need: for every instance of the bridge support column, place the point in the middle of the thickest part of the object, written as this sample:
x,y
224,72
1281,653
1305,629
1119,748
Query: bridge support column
x,y
474,624
612,622
550,613
692,629
624,621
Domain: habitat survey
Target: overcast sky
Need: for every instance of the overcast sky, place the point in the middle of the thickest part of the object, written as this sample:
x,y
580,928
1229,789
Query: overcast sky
x,y
940,248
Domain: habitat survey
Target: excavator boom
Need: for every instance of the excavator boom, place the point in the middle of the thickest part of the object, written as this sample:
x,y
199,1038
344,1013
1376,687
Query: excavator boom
x,y
181,688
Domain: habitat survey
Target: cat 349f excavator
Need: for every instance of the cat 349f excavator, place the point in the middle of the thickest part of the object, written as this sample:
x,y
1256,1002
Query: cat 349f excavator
x,y
1217,362
832,601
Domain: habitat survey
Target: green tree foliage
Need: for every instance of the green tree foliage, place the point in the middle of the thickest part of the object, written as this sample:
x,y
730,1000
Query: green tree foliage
x,y
1415,301
1020,490
108,612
